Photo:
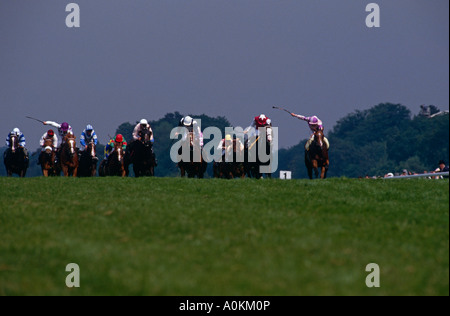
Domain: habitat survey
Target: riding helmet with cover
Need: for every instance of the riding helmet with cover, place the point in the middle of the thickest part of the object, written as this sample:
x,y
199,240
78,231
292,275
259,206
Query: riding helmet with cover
x,y
65,127
50,133
143,122
89,127
187,121
314,120
119,138
16,131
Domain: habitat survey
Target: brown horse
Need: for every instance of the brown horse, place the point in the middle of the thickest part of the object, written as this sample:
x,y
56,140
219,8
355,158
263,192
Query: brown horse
x,y
190,167
317,156
14,158
114,165
69,156
88,161
232,163
47,159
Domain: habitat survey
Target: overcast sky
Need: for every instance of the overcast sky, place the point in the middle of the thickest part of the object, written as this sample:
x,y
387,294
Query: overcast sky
x,y
133,59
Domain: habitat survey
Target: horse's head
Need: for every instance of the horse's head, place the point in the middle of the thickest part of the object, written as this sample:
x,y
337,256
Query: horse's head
x,y
13,142
145,136
48,146
70,142
119,150
91,149
319,137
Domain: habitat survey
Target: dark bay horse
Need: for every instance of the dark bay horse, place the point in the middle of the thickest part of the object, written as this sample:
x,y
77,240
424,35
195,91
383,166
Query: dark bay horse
x,y
114,165
232,163
69,156
140,153
317,156
190,167
47,159
14,158
88,161
253,160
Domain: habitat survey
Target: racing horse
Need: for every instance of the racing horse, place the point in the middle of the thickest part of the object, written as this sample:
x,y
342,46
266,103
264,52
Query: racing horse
x,y
69,156
47,159
190,167
140,153
317,156
14,158
253,161
232,163
114,164
88,161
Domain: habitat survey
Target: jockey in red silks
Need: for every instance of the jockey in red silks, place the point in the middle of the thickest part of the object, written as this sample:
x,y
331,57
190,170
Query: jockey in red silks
x,y
257,122
315,124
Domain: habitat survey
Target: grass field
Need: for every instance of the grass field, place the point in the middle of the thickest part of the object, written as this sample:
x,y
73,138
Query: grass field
x,y
172,236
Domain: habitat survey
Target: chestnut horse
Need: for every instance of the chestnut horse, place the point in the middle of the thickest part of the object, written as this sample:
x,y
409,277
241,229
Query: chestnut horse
x,y
69,156
14,158
47,159
317,156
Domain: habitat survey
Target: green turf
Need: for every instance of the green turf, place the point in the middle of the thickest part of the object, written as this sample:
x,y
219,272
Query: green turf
x,y
171,236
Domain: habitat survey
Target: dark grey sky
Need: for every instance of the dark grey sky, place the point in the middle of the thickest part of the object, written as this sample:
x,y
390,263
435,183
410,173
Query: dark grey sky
x,y
236,58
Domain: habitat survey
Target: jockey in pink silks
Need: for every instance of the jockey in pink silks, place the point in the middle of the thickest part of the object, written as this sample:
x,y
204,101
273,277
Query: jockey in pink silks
x,y
314,124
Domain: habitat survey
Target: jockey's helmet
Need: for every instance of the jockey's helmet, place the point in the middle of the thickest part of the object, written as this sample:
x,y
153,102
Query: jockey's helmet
x,y
65,127
314,120
262,117
16,131
50,133
89,127
228,137
119,138
187,121
143,122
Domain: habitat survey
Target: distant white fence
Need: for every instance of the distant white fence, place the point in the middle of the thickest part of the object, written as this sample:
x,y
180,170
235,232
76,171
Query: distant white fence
x,y
431,175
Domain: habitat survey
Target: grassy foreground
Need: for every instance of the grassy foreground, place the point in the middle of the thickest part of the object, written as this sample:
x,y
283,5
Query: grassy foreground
x,y
171,236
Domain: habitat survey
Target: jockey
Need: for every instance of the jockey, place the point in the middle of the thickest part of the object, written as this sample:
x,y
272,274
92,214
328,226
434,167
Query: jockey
x,y
49,135
143,124
87,136
63,129
228,141
109,148
314,124
224,143
253,129
21,139
192,126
